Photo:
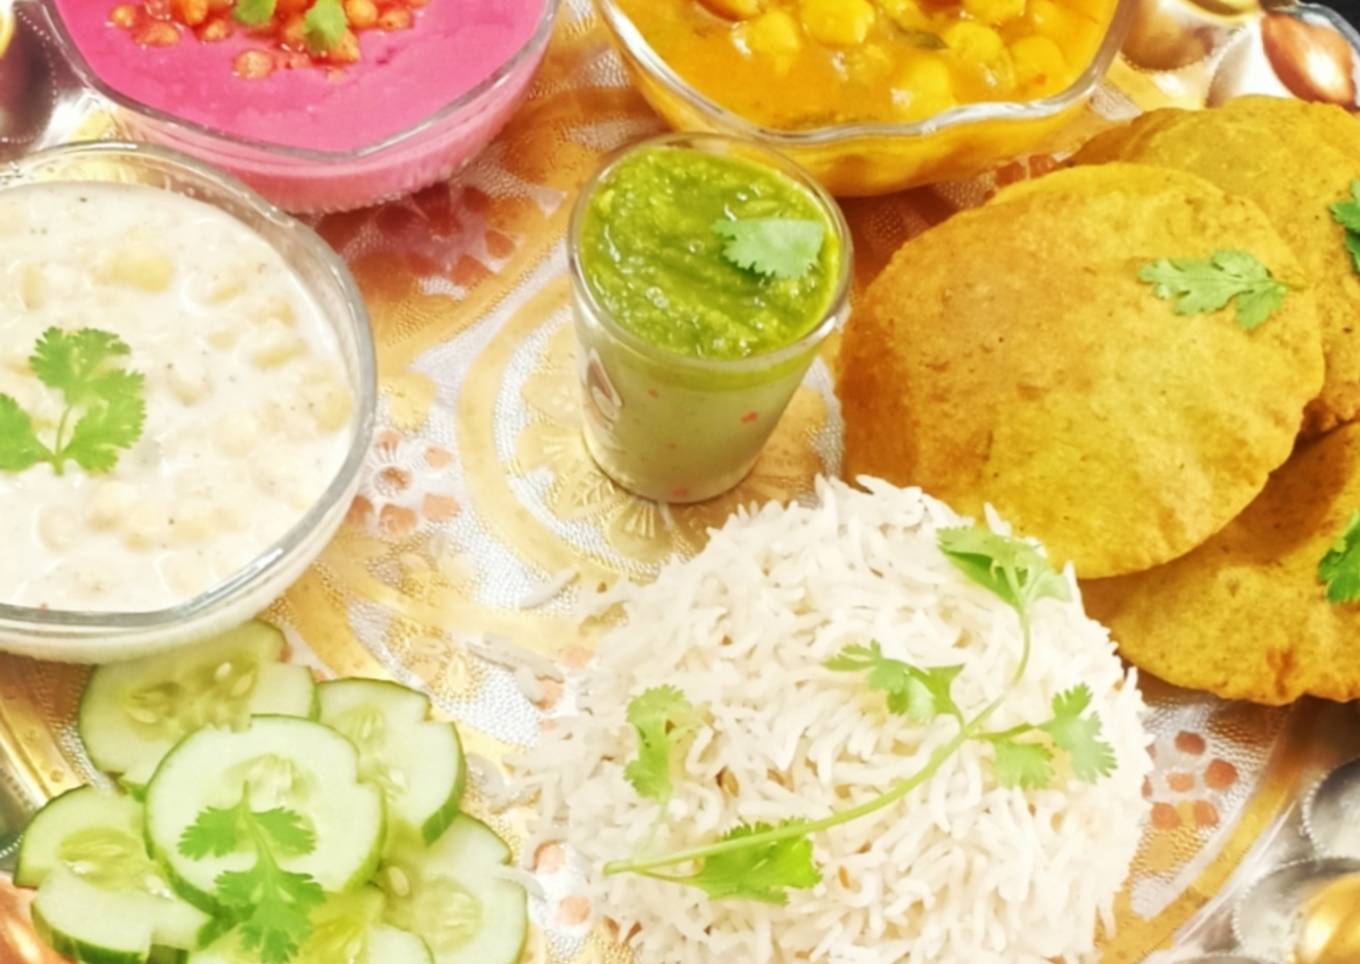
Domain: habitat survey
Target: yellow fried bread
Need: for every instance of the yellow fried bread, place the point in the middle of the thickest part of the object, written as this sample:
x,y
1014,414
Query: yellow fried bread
x,y
1294,159
1013,356
1246,615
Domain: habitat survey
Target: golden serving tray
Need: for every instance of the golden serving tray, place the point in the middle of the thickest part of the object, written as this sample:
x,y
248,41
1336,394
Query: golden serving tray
x,y
479,491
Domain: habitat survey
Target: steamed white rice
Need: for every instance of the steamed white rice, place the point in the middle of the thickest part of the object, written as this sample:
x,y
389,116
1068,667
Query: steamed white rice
x,y
960,871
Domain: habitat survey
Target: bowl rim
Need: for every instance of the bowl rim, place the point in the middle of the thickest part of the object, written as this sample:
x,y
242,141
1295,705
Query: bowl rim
x,y
60,623
720,144
638,50
533,48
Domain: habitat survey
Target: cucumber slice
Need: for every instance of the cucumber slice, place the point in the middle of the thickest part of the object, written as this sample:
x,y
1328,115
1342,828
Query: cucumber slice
x,y
347,929
453,897
86,853
417,763
276,761
76,814
133,713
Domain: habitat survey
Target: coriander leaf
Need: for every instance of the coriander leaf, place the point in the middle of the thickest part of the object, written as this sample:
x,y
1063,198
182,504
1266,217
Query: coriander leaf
x,y
1339,569
784,248
72,361
1347,213
287,830
1204,285
106,428
326,25
662,717
254,13
273,909
19,445
763,872
1026,765
918,694
215,833
1092,758
1353,246
1010,568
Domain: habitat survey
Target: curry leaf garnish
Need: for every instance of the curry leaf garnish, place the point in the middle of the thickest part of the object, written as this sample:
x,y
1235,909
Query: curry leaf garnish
x,y
1347,214
1339,569
662,717
1204,285
764,862
105,402
784,248
269,907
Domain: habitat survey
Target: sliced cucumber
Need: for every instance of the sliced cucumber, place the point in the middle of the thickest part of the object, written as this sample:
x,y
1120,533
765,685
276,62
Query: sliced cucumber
x,y
453,896
347,929
133,713
274,762
100,896
84,812
417,763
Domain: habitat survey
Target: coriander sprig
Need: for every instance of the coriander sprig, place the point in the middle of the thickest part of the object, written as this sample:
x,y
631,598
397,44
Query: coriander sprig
x,y
1339,569
1204,285
269,907
662,717
784,248
105,407
1347,214
763,862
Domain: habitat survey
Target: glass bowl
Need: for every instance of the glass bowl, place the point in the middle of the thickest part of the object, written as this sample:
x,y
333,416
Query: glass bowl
x,y
91,637
876,158
318,181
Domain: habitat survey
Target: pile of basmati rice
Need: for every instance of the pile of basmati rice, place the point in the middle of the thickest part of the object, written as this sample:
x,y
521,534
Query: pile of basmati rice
x,y
962,870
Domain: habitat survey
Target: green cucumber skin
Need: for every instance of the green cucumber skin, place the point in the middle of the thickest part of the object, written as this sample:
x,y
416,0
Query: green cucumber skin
x,y
443,818
22,876
79,951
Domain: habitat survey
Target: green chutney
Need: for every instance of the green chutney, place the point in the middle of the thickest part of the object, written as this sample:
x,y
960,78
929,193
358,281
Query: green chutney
x,y
654,262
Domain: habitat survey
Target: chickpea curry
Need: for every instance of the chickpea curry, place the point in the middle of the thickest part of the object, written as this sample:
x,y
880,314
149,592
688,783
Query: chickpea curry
x,y
798,64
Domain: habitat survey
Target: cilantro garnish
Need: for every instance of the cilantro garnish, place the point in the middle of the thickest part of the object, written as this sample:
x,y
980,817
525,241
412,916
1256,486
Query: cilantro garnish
x,y
784,248
1339,569
662,717
269,907
918,694
763,862
254,13
1347,214
106,402
1204,285
325,24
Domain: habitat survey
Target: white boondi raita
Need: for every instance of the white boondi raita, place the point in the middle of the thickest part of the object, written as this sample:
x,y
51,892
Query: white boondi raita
x,y
962,871
248,404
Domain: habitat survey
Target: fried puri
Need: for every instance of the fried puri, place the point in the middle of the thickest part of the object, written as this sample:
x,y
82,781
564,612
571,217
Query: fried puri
x,y
1011,356
1294,159
1244,616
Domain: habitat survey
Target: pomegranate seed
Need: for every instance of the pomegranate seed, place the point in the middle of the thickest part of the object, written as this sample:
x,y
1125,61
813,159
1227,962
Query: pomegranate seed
x,y
159,9
190,12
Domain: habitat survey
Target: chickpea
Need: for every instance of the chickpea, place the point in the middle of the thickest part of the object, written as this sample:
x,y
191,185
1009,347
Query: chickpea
x,y
1039,62
924,86
994,12
774,34
838,23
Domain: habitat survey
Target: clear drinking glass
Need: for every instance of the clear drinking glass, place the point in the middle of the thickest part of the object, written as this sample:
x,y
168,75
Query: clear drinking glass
x,y
672,427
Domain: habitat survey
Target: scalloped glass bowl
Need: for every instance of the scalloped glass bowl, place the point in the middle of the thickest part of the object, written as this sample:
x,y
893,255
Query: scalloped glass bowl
x,y
319,181
103,636
867,159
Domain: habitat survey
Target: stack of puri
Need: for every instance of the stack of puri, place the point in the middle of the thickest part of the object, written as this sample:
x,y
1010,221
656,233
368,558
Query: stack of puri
x,y
1193,470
